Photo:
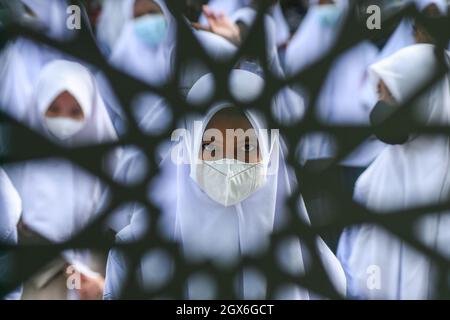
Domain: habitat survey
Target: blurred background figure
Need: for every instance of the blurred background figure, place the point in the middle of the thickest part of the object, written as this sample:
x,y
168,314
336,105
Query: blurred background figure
x,y
22,59
339,102
58,198
408,175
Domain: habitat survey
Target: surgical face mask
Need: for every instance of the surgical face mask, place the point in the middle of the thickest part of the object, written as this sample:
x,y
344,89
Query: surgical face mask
x,y
329,14
230,181
387,129
62,127
151,29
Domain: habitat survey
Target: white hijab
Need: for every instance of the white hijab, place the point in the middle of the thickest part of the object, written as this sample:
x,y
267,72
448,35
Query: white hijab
x,y
113,17
340,100
59,198
208,230
10,207
290,106
10,210
22,60
153,65
52,13
403,35
402,177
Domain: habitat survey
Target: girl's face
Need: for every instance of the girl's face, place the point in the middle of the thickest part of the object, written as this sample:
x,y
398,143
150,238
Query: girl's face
x,y
65,106
143,7
230,135
384,93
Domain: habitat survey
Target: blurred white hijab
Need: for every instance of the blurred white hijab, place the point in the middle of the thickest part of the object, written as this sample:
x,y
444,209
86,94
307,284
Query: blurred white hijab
x,y
340,99
416,173
113,17
129,53
58,198
23,59
10,207
10,210
403,35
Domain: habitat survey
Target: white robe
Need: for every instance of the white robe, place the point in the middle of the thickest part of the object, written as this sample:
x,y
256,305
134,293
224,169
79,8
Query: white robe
x,y
403,177
340,100
22,59
10,210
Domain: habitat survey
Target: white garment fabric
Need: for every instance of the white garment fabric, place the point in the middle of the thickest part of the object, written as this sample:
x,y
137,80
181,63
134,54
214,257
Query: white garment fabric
x,y
130,54
10,210
209,230
113,17
58,197
291,106
52,13
152,65
403,35
10,206
402,177
22,60
340,101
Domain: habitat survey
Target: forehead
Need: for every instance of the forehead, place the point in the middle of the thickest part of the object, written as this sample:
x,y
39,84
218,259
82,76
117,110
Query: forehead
x,y
147,5
229,118
65,97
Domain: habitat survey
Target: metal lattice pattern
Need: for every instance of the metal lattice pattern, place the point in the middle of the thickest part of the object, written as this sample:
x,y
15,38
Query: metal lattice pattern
x,y
25,144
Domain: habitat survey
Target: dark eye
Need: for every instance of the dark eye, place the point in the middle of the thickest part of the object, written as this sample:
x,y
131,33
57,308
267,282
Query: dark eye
x,y
207,146
248,147
54,108
75,112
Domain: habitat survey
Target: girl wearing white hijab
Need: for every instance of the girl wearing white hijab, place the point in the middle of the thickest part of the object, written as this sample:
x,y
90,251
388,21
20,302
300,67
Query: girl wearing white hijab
x,y
219,218
58,198
22,59
144,47
10,210
403,35
378,265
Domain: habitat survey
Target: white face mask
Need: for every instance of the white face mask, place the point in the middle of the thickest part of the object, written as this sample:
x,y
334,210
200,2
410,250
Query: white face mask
x,y
230,181
62,127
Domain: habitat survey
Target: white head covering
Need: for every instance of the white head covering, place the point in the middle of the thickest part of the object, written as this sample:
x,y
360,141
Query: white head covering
x,y
52,13
130,54
403,35
58,198
404,176
115,14
209,230
340,99
10,210
304,47
10,207
23,59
